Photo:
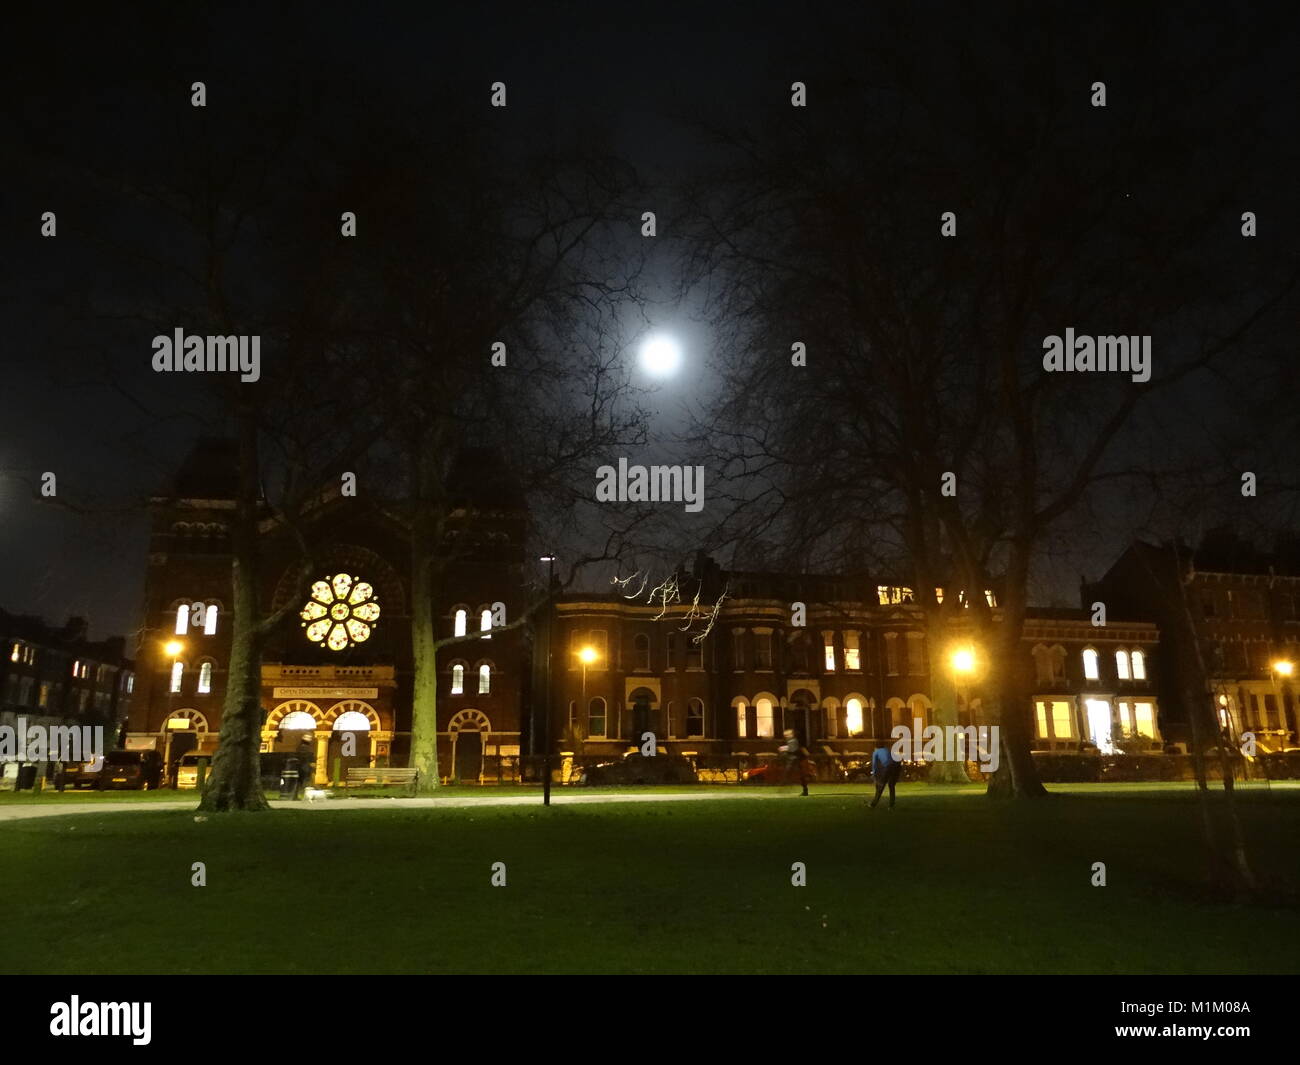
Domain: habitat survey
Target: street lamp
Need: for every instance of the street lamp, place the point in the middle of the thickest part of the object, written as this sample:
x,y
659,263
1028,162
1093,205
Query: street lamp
x,y
173,648
962,661
1282,668
586,656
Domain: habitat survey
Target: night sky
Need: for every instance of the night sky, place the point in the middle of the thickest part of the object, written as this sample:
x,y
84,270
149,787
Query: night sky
x,y
83,404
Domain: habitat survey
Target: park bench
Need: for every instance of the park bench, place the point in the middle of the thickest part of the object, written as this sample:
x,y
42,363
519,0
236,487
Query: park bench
x,y
382,775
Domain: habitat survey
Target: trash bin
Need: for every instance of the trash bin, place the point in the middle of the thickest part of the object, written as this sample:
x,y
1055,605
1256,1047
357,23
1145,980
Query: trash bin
x,y
290,779
26,778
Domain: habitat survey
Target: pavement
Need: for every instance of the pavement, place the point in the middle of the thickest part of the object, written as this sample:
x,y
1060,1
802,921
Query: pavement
x,y
25,811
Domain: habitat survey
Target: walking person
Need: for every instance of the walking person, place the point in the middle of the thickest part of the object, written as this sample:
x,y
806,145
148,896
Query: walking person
x,y
886,770
795,758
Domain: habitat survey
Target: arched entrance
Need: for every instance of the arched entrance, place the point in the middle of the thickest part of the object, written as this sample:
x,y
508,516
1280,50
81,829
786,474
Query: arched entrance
x,y
351,741
641,704
468,730
182,732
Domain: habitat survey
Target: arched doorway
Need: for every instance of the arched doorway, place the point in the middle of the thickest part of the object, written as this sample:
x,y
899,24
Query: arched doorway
x,y
469,730
182,732
350,743
641,704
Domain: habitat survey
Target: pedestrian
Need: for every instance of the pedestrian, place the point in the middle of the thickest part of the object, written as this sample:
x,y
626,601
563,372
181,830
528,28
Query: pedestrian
x,y
795,758
886,769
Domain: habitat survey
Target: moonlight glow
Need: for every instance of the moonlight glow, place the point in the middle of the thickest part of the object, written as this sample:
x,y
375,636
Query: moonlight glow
x,y
660,355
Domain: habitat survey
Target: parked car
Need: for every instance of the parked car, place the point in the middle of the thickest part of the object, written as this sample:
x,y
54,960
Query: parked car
x,y
187,772
79,774
130,770
637,769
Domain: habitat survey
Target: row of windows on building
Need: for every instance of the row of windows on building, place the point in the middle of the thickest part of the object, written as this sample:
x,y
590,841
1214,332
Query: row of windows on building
x,y
20,691
198,617
1247,604
26,654
204,684
1050,664
757,720
684,648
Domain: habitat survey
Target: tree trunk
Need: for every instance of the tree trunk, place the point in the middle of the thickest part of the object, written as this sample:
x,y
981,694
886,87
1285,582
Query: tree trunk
x,y
235,781
1017,776
425,542
943,694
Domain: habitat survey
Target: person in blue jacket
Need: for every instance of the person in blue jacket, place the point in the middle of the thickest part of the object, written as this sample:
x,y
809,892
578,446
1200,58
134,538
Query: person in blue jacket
x,y
886,769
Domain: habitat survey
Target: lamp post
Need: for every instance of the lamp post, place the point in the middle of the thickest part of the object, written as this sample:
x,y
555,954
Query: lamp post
x,y
962,661
171,651
546,716
1282,668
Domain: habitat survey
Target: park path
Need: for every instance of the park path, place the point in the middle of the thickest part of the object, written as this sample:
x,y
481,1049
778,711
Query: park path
x,y
24,811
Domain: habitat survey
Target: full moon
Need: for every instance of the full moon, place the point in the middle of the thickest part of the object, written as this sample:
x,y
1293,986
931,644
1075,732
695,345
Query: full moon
x,y
660,355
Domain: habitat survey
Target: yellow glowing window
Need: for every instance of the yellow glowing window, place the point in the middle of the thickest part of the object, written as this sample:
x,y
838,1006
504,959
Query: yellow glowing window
x,y
340,612
1042,720
853,717
1061,716
1145,719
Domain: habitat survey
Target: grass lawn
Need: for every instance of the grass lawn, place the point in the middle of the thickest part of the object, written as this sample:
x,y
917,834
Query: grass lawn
x,y
947,882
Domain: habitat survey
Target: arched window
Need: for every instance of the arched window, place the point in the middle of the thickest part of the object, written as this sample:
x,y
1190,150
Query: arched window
x,y
853,716
461,618
458,679
178,671
641,651
298,721
484,679
596,718
764,721
182,620
1139,666
695,718
205,678
210,620
1090,664
1121,664
485,623
742,720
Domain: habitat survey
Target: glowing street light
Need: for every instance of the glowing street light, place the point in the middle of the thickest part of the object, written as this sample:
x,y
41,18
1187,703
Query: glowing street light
x,y
963,661
172,648
1283,668
588,655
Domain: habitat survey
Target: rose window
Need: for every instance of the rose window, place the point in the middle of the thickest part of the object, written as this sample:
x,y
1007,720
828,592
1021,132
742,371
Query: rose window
x,y
340,612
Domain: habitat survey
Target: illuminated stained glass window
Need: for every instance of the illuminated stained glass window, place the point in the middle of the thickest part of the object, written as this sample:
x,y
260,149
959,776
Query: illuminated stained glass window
x,y
341,612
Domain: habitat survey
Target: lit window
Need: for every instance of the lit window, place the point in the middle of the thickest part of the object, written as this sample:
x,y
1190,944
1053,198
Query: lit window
x,y
457,680
76,668
852,654
828,649
485,623
1061,718
182,620
938,596
484,679
340,613
1145,719
1042,719
1121,664
461,621
990,598
1090,664
763,709
742,720
1139,667
695,718
853,717
205,678
178,671
13,655
130,683
298,721
210,620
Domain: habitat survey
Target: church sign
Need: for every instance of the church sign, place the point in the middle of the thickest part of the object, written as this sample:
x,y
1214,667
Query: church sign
x,y
325,693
